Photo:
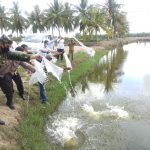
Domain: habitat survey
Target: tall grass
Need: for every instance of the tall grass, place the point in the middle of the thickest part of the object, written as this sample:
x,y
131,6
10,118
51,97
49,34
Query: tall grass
x,y
34,116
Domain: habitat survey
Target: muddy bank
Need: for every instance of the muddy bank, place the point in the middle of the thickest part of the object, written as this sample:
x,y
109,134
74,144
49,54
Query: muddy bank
x,y
8,133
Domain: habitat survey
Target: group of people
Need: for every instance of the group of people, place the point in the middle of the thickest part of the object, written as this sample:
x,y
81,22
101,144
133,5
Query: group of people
x,y
11,59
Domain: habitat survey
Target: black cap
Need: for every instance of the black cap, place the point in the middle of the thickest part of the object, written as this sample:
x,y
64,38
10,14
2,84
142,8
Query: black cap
x,y
46,41
24,45
19,48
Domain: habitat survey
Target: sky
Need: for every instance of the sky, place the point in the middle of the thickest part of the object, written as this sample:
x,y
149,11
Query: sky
x,y
138,11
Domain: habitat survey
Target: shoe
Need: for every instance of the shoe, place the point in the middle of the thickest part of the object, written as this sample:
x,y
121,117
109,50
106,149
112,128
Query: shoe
x,y
45,102
11,106
24,97
2,122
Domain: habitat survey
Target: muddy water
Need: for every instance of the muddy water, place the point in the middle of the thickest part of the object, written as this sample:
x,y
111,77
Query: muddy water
x,y
110,109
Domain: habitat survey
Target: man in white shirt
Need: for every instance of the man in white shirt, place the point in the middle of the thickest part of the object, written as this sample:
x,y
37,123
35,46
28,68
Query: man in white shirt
x,y
45,51
60,47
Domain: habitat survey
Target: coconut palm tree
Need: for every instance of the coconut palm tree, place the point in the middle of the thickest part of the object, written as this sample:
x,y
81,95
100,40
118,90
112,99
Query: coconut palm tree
x,y
35,19
69,20
82,16
122,25
96,19
4,20
112,9
54,16
107,25
90,19
18,22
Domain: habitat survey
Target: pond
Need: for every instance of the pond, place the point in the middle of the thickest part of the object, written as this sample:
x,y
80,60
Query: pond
x,y
110,106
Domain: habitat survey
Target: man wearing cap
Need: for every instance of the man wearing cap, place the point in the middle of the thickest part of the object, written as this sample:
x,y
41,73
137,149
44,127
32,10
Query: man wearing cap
x,y
6,54
7,67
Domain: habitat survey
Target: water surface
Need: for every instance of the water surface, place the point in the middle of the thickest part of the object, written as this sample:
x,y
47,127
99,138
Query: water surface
x,y
111,107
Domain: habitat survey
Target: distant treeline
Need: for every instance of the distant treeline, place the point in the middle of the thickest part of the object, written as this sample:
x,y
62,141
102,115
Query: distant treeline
x,y
105,37
143,34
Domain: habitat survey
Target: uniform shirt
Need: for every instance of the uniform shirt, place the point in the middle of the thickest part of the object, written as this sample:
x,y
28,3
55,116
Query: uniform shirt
x,y
71,46
10,67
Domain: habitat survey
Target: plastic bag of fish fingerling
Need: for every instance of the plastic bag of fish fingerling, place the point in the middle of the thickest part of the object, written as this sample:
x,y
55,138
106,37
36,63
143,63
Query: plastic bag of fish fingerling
x,y
90,51
37,77
68,63
54,69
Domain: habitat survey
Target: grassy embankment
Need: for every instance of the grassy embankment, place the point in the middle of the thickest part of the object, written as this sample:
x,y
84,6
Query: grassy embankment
x,y
35,115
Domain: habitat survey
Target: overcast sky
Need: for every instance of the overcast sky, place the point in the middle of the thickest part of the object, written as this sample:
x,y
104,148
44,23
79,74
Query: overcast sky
x,y
138,11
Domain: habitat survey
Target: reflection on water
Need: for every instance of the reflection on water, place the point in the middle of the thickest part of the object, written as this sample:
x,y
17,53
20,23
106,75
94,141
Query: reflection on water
x,y
107,71
111,107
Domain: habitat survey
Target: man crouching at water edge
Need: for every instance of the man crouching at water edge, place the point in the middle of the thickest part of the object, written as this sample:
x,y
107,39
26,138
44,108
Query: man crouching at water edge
x,y
9,62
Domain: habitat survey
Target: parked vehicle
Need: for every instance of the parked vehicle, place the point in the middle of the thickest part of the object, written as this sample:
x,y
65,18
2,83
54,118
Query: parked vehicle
x,y
35,41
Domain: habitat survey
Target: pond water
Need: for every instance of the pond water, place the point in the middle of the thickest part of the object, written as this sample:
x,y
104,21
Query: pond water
x,y
110,109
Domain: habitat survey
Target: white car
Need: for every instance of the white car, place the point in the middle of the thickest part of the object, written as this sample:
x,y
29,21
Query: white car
x,y
36,41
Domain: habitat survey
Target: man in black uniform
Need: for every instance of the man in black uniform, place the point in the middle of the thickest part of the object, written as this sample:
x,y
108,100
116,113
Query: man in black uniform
x,y
9,62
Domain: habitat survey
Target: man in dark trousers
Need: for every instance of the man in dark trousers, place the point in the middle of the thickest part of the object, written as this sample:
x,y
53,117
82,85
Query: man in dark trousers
x,y
71,45
8,66
17,79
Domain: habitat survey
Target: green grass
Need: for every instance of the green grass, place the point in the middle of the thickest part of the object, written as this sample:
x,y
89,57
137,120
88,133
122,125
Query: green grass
x,y
35,115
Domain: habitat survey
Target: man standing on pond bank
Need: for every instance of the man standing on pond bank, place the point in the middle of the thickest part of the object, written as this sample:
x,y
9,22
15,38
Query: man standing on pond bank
x,y
71,45
60,47
17,79
7,67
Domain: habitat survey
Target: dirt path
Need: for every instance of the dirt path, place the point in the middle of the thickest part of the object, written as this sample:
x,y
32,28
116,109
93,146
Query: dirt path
x,y
8,131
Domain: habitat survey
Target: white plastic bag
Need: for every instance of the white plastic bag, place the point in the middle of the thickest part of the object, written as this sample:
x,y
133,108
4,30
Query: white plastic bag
x,y
68,63
90,51
54,60
39,75
55,70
